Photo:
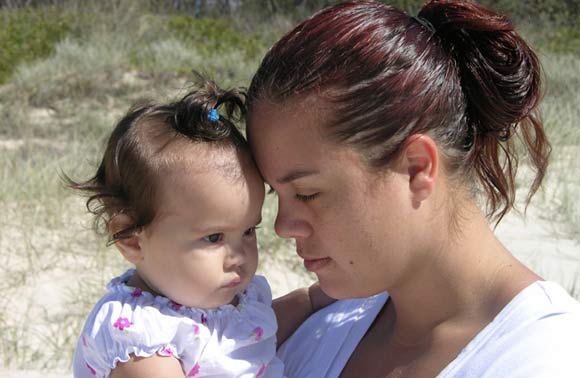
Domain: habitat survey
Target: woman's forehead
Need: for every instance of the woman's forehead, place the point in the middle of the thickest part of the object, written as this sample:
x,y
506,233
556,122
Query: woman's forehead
x,y
287,144
284,127
310,115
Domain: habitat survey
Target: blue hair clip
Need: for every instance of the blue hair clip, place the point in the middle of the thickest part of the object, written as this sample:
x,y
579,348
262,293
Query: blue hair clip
x,y
213,115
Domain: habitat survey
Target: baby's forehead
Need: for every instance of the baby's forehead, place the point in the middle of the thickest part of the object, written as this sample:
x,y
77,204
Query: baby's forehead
x,y
218,179
229,162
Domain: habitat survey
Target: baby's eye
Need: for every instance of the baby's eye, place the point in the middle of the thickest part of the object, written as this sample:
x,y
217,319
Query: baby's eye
x,y
214,238
307,197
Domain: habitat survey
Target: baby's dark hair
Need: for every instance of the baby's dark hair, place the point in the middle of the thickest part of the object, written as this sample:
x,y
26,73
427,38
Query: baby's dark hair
x,y
146,141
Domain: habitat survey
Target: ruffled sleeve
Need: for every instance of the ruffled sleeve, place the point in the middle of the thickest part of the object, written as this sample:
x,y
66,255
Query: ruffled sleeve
x,y
139,326
229,341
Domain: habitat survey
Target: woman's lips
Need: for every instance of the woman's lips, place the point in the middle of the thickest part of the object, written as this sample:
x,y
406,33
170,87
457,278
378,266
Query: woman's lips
x,y
314,265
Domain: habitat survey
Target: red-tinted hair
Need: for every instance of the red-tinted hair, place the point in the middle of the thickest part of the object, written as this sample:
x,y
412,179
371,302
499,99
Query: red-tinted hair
x,y
457,72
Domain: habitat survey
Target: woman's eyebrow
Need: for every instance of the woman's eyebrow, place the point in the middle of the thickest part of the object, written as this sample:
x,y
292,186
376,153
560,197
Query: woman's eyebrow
x,y
295,175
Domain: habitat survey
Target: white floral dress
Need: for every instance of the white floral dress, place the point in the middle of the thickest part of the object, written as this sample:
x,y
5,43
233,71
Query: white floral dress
x,y
229,341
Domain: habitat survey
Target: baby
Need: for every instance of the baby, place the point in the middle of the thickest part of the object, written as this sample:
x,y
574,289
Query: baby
x,y
181,199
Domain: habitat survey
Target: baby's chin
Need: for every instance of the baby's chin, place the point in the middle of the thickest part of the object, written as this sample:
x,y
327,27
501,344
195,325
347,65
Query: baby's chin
x,y
210,305
233,300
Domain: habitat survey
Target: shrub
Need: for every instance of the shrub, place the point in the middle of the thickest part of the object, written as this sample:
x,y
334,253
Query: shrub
x,y
565,39
213,36
28,34
76,69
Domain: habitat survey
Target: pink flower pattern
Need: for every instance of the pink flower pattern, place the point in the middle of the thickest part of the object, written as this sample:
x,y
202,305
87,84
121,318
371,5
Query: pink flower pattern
x,y
193,372
166,352
260,373
137,292
196,330
176,306
258,333
122,323
93,371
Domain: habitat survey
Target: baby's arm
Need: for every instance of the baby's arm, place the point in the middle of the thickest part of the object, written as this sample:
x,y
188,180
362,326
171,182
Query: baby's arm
x,y
295,307
151,367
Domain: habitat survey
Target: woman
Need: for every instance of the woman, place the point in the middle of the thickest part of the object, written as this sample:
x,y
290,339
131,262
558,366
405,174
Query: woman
x,y
381,135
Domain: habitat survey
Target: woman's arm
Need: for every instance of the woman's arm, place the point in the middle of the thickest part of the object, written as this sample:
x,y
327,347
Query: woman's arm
x,y
151,367
295,307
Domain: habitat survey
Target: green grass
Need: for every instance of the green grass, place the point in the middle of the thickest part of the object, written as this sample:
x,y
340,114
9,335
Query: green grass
x,y
27,35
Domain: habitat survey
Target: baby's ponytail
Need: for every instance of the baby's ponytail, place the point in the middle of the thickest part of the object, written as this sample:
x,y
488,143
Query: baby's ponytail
x,y
500,78
207,113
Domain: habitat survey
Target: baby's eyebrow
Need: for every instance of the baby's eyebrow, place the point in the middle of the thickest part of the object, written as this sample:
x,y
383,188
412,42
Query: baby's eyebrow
x,y
295,175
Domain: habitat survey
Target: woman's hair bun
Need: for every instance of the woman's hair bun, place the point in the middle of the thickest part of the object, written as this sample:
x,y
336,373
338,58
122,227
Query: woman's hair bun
x,y
500,74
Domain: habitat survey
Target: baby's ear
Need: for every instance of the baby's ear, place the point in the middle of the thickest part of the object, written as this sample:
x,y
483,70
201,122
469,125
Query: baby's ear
x,y
129,245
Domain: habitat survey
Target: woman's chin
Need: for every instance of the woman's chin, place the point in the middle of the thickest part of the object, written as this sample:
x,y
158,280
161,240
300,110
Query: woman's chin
x,y
336,290
339,290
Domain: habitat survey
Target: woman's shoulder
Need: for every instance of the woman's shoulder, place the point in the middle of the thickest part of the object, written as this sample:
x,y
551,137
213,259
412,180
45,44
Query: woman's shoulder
x,y
536,335
541,304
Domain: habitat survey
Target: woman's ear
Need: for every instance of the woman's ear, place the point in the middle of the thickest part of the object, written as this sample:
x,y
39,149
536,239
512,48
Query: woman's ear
x,y
421,159
129,246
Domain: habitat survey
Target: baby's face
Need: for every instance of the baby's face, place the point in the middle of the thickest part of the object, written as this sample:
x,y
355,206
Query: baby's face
x,y
201,250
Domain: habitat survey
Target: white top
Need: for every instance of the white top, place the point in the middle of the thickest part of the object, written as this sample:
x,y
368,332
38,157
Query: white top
x,y
536,335
230,341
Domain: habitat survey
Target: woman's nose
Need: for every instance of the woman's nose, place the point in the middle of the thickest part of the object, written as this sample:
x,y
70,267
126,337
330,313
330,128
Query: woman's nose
x,y
290,223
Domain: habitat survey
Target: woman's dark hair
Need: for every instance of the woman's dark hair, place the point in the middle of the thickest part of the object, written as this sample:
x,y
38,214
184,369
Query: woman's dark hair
x,y
145,141
457,72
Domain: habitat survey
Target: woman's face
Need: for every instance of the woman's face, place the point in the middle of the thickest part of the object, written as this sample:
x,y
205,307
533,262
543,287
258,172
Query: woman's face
x,y
351,225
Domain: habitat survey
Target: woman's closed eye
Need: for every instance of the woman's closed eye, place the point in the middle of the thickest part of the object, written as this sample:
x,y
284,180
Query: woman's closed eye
x,y
307,197
300,197
214,238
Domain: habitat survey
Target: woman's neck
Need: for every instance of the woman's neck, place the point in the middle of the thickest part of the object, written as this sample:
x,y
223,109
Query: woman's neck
x,y
468,278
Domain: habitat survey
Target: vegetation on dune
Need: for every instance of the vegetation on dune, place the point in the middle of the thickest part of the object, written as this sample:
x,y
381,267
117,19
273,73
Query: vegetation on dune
x,y
27,35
